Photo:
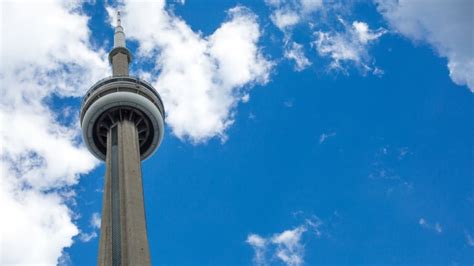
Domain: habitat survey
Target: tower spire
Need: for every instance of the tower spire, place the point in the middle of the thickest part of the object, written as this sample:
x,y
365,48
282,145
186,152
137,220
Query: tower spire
x,y
118,18
120,56
119,36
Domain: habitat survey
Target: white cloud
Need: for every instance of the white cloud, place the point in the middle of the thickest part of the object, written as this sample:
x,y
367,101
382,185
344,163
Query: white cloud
x,y
44,51
347,46
295,52
289,247
201,79
445,25
434,227
308,6
259,245
32,221
284,18
95,220
324,136
65,259
86,237
245,98
288,13
364,34
95,224
286,247
350,46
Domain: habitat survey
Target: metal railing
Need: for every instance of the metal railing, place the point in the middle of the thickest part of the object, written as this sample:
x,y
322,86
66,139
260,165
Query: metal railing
x,y
112,79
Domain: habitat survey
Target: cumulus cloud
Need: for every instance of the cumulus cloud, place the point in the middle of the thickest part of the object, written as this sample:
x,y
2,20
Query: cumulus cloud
x,y
445,25
349,46
286,247
44,51
34,221
201,78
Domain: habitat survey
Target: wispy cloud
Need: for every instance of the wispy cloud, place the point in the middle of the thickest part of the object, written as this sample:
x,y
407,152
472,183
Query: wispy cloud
x,y
324,136
295,51
86,237
259,245
345,46
469,239
384,169
94,223
349,46
436,227
252,116
286,14
289,103
95,220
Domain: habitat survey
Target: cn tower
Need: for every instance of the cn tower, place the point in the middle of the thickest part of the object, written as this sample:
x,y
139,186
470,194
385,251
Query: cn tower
x,y
122,120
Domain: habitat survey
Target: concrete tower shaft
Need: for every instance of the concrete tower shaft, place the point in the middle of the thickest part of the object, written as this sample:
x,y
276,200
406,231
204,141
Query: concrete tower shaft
x,y
123,236
122,124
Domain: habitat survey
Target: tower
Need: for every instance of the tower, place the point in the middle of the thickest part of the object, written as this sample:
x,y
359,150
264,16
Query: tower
x,y
122,120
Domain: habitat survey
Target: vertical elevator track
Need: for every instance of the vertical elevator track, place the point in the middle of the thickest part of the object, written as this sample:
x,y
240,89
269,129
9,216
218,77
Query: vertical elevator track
x,y
116,248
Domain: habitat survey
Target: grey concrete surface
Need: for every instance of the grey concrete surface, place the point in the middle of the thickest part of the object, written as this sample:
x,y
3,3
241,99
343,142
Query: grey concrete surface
x,y
134,249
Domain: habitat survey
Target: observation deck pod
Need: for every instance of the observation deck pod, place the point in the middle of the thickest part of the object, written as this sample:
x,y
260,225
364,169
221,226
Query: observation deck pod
x,y
118,98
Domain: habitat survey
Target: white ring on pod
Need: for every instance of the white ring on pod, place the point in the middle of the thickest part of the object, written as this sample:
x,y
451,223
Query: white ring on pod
x,y
122,99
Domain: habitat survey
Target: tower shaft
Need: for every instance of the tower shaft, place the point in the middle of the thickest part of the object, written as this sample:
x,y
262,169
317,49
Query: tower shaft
x,y
120,64
123,237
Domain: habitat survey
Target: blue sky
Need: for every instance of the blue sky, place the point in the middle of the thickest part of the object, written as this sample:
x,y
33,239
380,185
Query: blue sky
x,y
357,149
